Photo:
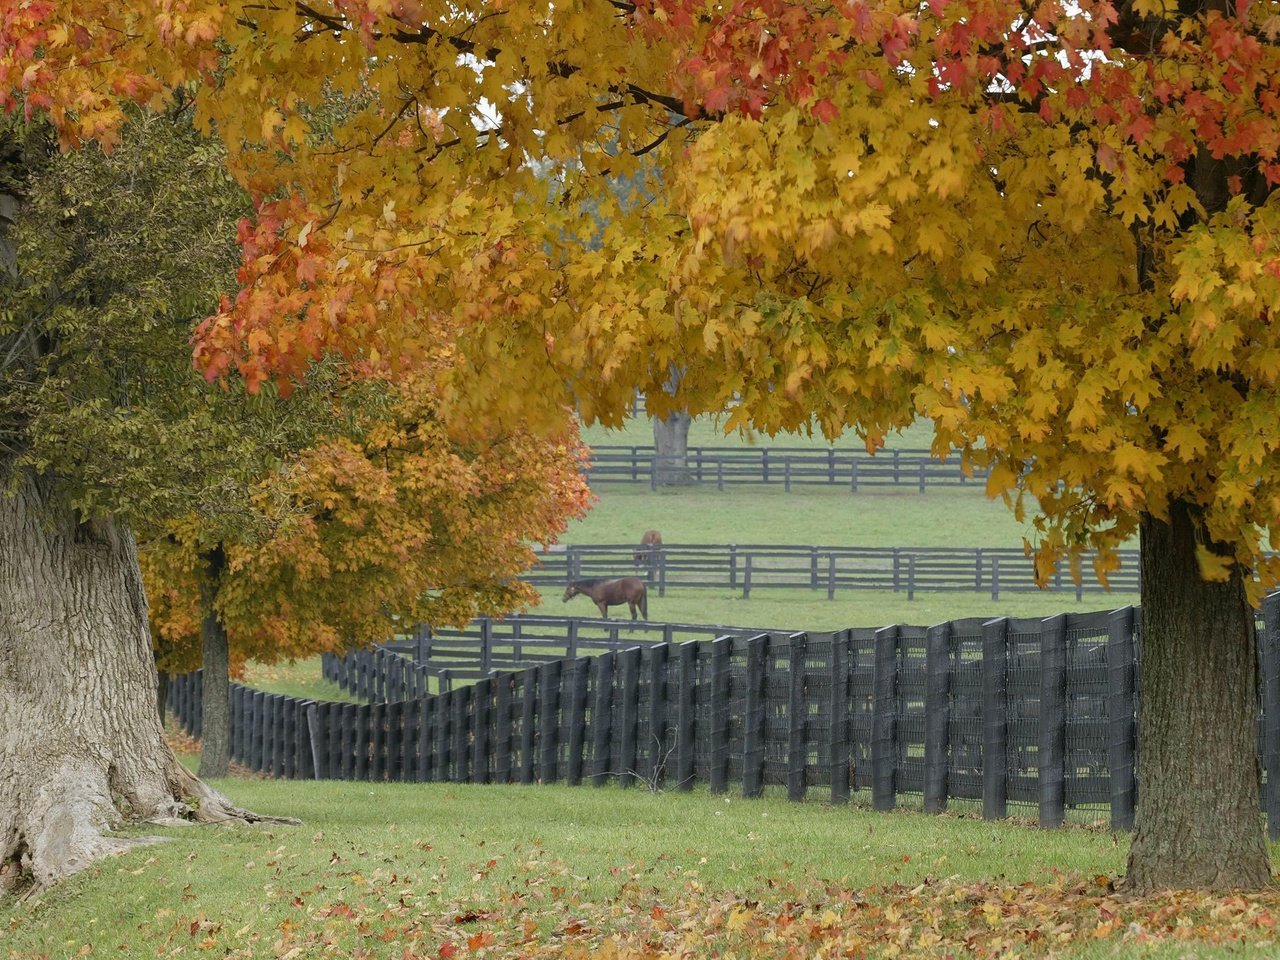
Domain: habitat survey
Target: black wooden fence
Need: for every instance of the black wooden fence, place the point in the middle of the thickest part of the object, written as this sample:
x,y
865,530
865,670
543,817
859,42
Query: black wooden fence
x,y
788,467
1001,713
486,645
829,569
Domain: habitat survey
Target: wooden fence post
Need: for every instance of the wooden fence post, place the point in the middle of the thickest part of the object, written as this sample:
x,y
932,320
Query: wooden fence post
x,y
840,681
549,720
289,762
686,713
884,721
317,717
602,719
486,644
502,748
1122,729
364,717
753,721
461,729
378,742
831,576
444,741
426,755
347,742
655,768
577,719
937,716
395,740
746,577
528,716
797,744
482,713
718,747
630,713
238,725
995,711
410,717
1269,655
1053,720
255,730
279,735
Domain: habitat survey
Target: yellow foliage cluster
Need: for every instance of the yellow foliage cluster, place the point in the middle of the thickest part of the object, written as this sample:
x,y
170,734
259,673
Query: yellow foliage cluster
x,y
371,535
1031,247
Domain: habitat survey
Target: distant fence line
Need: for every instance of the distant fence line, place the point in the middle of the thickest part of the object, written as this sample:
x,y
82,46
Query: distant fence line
x,y
833,569
997,712
851,469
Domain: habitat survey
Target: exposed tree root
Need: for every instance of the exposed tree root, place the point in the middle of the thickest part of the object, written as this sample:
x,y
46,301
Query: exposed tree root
x,y
69,825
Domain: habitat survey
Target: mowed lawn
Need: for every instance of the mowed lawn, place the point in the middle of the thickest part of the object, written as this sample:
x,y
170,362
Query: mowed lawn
x,y
439,871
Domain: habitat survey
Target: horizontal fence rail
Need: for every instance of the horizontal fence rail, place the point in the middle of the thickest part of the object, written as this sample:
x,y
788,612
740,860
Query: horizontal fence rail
x,y
486,645
1022,713
829,569
787,467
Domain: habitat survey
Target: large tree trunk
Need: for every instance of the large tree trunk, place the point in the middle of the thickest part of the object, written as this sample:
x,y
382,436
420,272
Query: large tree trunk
x,y
215,720
1198,817
81,745
671,450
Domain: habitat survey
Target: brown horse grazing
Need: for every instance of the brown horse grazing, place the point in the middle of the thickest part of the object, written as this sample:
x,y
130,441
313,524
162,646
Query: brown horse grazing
x,y
650,546
610,591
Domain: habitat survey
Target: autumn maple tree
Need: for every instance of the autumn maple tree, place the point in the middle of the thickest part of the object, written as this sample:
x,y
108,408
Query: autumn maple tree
x,y
391,524
1047,227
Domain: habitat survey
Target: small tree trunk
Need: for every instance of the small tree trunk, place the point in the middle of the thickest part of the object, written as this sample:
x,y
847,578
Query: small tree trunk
x,y
1198,816
671,449
82,750
215,720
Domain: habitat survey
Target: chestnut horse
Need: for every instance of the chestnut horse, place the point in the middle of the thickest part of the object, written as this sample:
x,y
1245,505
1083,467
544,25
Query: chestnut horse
x,y
650,546
610,591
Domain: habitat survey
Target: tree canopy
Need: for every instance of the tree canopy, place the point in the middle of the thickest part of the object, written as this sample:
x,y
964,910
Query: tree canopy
x,y
382,527
969,211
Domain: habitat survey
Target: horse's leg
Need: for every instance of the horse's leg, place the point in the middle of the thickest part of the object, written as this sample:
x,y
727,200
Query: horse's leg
x,y
604,608
632,605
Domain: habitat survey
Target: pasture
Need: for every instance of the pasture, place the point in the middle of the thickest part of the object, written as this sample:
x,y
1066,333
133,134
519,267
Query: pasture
x,y
768,515
438,870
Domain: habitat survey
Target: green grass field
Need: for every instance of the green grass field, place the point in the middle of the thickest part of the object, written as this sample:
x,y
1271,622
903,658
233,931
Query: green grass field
x,y
768,515
394,871
945,516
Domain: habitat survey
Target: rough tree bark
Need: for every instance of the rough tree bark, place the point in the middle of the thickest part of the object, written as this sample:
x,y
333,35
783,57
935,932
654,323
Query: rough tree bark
x,y
671,449
1198,817
215,720
81,746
